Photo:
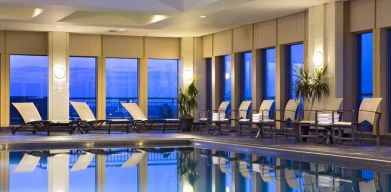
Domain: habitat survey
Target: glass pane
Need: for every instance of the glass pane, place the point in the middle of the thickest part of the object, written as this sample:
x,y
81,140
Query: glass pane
x,y
162,172
209,84
120,178
270,73
295,62
162,88
28,83
26,181
389,76
82,82
247,76
365,65
84,179
121,85
227,78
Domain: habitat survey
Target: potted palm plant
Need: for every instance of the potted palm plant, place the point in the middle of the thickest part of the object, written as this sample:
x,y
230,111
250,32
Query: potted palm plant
x,y
311,87
187,103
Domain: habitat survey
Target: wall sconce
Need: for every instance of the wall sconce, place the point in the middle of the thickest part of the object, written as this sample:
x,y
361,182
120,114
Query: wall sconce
x,y
318,59
187,76
59,73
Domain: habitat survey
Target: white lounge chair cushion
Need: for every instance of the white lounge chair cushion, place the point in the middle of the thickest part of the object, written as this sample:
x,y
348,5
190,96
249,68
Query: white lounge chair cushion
x,y
28,111
307,122
84,111
135,111
244,108
119,120
342,123
172,120
203,119
244,120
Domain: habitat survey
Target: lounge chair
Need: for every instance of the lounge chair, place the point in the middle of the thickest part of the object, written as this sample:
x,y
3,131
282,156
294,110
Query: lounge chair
x,y
243,115
263,115
287,123
140,121
368,117
221,117
316,124
87,120
33,121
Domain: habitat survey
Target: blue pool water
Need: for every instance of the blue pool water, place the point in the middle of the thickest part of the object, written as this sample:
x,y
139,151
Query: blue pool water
x,y
177,169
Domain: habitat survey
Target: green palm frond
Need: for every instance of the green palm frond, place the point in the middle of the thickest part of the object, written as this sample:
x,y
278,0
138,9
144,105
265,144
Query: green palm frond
x,y
187,100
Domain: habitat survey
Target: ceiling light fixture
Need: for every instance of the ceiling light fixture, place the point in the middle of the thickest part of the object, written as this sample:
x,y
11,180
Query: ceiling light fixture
x,y
203,16
121,29
58,26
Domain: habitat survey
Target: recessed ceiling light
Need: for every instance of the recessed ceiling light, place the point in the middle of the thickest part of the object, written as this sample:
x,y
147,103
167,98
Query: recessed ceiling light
x,y
58,26
203,16
121,29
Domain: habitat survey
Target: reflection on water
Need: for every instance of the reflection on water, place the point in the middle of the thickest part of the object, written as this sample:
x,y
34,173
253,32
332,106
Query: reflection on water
x,y
181,169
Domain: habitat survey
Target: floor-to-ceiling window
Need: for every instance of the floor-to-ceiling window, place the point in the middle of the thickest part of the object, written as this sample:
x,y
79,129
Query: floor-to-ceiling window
x,y
226,78
246,76
82,82
121,85
162,88
28,83
389,80
294,61
269,73
208,84
364,66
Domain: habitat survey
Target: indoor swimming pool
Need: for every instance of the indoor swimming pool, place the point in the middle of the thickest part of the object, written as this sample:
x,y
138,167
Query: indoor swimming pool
x,y
166,169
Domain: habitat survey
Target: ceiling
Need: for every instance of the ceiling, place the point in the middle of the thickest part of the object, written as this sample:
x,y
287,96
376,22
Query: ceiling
x,y
169,18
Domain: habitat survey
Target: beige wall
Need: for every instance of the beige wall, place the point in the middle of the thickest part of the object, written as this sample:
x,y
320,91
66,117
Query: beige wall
x,y
60,45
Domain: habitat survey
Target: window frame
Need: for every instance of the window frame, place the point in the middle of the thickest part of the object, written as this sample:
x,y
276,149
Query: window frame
x,y
358,65
208,83
177,80
9,78
242,75
96,81
288,67
222,77
138,79
264,72
389,77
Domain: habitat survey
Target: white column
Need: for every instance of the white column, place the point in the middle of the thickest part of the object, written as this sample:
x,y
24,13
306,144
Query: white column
x,y
58,76
58,171
325,42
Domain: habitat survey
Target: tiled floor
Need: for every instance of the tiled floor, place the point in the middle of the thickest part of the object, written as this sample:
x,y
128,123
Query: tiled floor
x,y
278,147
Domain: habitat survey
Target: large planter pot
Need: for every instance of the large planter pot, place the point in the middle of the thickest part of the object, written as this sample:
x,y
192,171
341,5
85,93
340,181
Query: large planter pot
x,y
186,123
